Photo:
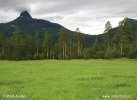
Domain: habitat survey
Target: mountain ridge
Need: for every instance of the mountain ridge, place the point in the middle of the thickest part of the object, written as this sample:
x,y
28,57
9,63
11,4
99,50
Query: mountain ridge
x,y
30,25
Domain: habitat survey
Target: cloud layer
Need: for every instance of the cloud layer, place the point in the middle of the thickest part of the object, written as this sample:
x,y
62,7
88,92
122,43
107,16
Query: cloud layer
x,y
89,15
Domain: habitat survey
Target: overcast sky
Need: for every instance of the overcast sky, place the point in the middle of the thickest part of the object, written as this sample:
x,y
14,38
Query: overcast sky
x,y
89,15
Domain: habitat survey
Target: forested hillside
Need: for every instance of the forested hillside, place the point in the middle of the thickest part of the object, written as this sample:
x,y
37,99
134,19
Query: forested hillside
x,y
29,38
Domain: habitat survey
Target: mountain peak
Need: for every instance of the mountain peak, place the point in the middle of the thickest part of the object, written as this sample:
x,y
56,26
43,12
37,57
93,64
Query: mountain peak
x,y
25,14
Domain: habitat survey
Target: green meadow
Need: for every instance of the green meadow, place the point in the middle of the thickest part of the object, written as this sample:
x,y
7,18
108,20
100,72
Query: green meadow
x,y
68,80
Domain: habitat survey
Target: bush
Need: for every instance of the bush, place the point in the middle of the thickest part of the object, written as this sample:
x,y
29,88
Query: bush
x,y
36,56
107,56
2,57
41,56
115,54
60,56
86,54
132,53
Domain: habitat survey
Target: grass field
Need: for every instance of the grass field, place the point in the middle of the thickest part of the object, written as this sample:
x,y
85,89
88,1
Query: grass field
x,y
68,80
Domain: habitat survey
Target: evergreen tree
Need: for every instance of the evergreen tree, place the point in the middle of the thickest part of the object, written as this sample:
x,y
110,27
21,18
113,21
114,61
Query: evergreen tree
x,y
115,41
29,47
63,39
47,44
16,40
79,40
107,33
135,38
123,32
2,44
37,43
95,49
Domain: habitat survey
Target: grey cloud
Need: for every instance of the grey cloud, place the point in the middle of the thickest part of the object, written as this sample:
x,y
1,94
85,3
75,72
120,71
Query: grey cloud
x,y
64,6
54,18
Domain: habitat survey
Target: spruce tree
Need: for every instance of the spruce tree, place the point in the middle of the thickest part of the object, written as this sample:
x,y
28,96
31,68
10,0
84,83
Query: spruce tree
x,y
29,47
124,32
79,40
2,44
16,40
37,42
63,40
47,43
107,34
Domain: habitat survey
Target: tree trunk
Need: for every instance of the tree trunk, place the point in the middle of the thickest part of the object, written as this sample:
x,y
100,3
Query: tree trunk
x,y
53,57
114,46
47,54
65,50
70,51
37,51
136,43
108,48
3,51
78,47
121,48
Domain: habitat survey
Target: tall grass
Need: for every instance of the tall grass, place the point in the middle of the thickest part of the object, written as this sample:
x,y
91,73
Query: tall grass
x,y
69,80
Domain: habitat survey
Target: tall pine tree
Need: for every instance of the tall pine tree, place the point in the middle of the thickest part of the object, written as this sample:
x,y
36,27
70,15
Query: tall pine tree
x,y
47,43
2,44
29,47
16,40
79,40
63,40
107,34
124,32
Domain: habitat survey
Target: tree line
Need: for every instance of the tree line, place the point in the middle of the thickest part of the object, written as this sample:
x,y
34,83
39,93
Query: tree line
x,y
28,47
121,44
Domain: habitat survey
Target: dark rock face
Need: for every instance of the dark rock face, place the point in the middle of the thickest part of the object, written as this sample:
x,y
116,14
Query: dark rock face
x,y
29,25
25,14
